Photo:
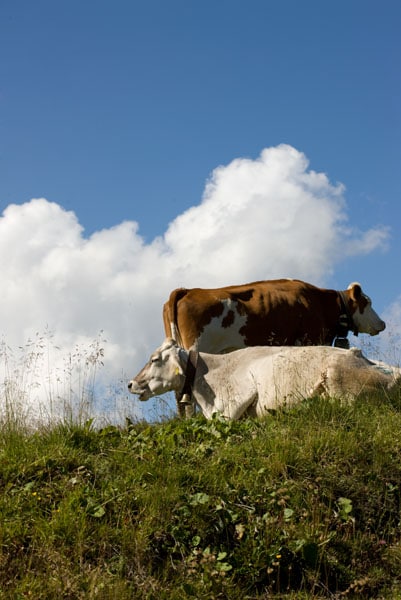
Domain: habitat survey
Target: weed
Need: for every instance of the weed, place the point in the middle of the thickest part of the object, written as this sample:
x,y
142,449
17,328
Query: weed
x,y
39,383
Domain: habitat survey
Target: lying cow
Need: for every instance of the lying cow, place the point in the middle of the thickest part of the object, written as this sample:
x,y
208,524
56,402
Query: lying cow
x,y
256,379
267,313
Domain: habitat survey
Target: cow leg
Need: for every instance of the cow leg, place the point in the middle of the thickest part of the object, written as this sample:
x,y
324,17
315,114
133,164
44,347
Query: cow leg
x,y
181,410
180,405
189,409
185,406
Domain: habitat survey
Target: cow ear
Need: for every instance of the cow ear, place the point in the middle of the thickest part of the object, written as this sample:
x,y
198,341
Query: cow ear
x,y
168,343
355,291
179,364
178,370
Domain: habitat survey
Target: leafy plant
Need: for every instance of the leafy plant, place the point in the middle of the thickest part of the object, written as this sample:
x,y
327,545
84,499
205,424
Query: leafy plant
x,y
302,504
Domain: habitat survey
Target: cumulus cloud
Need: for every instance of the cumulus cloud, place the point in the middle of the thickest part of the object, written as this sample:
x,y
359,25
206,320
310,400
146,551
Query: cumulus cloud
x,y
258,219
266,218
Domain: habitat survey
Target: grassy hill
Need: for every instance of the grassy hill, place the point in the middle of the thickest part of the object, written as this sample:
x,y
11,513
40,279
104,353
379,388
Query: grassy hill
x,y
302,504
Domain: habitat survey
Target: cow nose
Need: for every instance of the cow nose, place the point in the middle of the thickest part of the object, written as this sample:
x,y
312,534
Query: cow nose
x,y
130,385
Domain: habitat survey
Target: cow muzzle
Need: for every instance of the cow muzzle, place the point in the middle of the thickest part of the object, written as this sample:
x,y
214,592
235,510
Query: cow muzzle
x,y
143,392
375,328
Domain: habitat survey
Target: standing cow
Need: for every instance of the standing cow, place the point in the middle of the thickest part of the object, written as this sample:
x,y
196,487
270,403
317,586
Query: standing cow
x,y
266,313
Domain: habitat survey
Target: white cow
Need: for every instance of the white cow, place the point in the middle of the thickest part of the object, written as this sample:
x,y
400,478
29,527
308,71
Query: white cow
x,y
256,379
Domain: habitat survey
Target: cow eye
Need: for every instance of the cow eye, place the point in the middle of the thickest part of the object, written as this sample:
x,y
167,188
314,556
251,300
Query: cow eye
x,y
155,359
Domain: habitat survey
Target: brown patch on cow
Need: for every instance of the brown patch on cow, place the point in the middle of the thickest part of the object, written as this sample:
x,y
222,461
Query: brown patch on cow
x,y
354,304
276,319
278,312
244,296
228,319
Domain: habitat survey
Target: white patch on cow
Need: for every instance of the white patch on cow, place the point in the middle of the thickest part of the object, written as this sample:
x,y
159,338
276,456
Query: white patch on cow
x,y
217,339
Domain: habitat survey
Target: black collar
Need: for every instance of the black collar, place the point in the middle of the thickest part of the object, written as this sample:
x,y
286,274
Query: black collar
x,y
345,320
190,372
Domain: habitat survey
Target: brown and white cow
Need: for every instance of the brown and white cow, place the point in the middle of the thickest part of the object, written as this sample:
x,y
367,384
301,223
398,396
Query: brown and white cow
x,y
254,380
266,313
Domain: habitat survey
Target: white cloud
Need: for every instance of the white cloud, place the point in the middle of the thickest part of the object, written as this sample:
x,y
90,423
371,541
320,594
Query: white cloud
x,y
258,219
267,218
389,342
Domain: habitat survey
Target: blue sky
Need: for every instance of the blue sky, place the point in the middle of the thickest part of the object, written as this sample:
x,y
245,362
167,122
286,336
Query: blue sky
x,y
121,112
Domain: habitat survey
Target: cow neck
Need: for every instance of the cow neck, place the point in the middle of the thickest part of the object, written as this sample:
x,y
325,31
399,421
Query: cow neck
x,y
190,372
345,320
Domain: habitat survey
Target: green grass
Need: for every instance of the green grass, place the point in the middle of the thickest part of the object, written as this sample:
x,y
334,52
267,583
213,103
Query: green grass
x,y
302,504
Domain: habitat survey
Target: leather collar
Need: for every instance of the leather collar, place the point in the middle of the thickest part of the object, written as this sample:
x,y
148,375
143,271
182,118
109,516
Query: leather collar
x,y
190,372
345,320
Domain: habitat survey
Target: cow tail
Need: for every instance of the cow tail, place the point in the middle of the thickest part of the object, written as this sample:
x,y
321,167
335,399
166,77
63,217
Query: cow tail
x,y
171,315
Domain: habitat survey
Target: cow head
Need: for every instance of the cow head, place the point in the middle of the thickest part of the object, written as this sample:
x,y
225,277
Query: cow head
x,y
364,318
164,372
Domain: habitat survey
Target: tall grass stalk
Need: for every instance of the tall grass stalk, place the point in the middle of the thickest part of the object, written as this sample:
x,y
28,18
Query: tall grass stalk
x,y
39,382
